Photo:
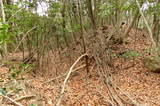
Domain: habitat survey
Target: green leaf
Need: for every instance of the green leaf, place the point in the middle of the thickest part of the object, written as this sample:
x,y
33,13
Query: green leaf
x,y
32,105
2,91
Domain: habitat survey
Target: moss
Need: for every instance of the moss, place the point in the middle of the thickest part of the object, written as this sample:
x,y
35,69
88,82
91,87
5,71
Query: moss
x,y
152,63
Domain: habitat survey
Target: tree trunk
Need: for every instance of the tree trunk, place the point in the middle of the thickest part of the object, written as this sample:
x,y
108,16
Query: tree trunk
x,y
64,22
155,28
82,36
131,24
4,20
91,13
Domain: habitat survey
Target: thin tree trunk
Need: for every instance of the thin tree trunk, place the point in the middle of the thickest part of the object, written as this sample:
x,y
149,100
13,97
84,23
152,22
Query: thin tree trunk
x,y
147,25
155,28
71,23
64,22
82,35
4,20
91,13
131,24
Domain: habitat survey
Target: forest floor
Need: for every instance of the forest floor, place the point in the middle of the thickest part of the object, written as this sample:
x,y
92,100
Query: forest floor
x,y
129,75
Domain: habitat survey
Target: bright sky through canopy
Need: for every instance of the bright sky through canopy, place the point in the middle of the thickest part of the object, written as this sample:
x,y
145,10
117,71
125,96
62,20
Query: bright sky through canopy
x,y
43,6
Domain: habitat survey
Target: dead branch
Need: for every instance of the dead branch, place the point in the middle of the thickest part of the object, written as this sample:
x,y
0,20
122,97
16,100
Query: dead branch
x,y
105,98
110,88
127,95
14,14
67,77
24,97
80,67
24,36
147,25
12,100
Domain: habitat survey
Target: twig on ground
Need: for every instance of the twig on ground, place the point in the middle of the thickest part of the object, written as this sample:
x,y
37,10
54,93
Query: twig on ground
x,y
107,100
127,95
13,101
82,66
24,97
110,88
92,68
66,79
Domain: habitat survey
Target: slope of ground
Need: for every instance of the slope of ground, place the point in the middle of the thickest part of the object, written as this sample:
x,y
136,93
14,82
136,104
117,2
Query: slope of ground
x,y
129,74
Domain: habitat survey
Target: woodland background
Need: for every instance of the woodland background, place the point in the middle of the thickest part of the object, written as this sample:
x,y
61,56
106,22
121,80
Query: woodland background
x,y
80,52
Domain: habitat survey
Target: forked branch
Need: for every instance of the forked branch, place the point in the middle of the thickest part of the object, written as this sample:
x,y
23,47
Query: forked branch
x,y
67,77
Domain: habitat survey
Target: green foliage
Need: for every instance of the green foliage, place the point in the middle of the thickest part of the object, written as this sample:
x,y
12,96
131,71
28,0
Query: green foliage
x,y
126,54
4,35
106,9
54,11
152,51
130,54
14,72
20,69
25,21
32,105
55,8
114,55
152,63
151,1
3,91
129,5
154,9
10,9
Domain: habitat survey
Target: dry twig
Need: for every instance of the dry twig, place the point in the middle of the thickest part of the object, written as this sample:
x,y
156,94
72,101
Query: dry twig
x,y
80,67
106,99
12,100
24,36
67,77
24,97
